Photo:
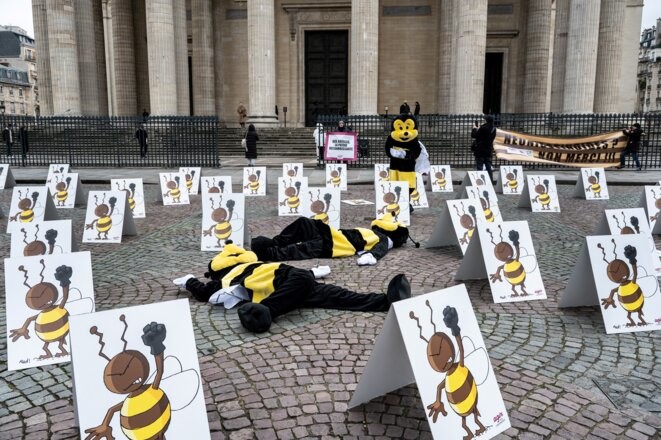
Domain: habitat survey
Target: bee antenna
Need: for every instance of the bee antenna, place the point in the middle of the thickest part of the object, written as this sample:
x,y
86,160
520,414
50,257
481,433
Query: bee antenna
x,y
96,200
617,222
122,318
311,196
211,199
25,276
412,316
37,231
43,268
614,248
491,234
319,194
103,200
501,232
95,331
117,183
431,315
25,235
456,208
603,252
624,219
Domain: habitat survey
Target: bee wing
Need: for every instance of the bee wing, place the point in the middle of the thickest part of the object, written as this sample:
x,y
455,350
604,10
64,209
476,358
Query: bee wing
x,y
181,386
80,306
649,284
476,360
528,261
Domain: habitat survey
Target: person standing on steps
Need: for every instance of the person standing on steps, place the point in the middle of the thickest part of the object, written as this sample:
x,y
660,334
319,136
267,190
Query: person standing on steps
x,y
251,145
243,114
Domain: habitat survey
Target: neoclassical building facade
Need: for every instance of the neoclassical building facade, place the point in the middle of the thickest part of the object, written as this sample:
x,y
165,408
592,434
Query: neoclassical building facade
x,y
203,57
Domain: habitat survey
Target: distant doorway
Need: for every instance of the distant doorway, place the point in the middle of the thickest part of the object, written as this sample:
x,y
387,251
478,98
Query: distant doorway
x,y
493,82
326,73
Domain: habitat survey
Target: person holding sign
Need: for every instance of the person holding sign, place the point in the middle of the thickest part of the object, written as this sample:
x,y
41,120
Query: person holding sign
x,y
268,290
634,133
482,147
403,149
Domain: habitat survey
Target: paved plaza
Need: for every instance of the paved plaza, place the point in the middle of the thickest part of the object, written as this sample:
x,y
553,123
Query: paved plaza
x,y
560,374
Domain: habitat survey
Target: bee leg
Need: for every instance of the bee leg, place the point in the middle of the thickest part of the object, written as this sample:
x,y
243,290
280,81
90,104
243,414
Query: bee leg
x,y
465,426
476,414
48,354
63,351
523,289
631,322
514,292
640,317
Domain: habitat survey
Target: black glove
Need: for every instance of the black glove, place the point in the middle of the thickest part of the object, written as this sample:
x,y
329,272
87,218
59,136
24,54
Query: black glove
x,y
63,275
451,320
153,336
630,252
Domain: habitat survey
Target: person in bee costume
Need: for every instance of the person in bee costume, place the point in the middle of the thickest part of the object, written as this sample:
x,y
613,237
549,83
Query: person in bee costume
x,y
268,290
306,238
403,149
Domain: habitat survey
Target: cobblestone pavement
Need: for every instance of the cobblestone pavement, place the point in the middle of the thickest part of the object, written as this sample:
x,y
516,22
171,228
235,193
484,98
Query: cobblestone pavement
x,y
560,374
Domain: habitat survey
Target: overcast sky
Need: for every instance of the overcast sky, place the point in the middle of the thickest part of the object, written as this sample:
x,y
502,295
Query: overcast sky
x,y
19,13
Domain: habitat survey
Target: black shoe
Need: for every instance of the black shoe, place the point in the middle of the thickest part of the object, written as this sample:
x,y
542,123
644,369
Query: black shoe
x,y
411,209
398,288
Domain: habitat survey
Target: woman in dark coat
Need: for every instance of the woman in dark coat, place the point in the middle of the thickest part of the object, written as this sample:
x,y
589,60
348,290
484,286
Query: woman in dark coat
x,y
251,145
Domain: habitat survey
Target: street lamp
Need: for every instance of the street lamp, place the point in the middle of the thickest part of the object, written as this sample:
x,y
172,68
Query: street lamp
x,y
386,109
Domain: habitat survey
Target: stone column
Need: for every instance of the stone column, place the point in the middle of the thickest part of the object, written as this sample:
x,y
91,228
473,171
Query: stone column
x,y
364,76
109,56
141,63
471,45
39,16
445,58
99,42
204,86
124,53
181,56
609,56
261,63
63,51
88,66
537,56
218,56
160,41
559,55
581,61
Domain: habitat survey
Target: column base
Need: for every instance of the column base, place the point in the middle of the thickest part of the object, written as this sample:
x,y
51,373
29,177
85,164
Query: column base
x,y
263,121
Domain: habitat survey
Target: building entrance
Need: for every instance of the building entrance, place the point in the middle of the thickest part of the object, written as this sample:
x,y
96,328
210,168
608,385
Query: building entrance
x,y
493,82
326,73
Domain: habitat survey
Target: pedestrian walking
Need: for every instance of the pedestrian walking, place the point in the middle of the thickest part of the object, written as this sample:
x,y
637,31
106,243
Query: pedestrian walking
x,y
483,145
25,143
251,145
319,140
142,136
9,137
634,133
416,109
145,115
243,114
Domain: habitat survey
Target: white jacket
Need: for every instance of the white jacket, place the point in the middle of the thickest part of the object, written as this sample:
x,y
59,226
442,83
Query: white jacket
x,y
319,135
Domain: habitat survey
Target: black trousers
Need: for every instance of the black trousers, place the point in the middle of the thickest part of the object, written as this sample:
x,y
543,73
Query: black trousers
x,y
9,147
484,162
300,240
143,149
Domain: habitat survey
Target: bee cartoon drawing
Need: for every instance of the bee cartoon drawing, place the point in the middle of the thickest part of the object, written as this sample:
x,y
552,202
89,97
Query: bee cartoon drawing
x,y
189,180
336,178
51,324
146,411
62,188
26,206
37,247
222,228
512,267
104,214
632,289
440,179
292,201
130,194
593,180
512,177
460,383
415,197
391,201
468,222
319,208
173,189
214,188
486,206
542,197
384,174
253,181
657,205
55,171
292,171
480,180
625,229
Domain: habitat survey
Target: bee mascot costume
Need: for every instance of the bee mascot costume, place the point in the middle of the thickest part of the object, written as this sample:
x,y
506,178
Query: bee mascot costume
x,y
268,290
306,238
403,149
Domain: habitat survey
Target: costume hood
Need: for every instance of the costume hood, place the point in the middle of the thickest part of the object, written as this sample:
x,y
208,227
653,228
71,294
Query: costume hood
x,y
230,256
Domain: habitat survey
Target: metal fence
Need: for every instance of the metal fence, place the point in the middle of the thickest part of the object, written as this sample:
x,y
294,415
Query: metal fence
x,y
448,137
111,142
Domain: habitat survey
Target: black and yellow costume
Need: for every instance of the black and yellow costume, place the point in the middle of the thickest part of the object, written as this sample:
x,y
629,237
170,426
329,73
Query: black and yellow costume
x,y
403,138
276,288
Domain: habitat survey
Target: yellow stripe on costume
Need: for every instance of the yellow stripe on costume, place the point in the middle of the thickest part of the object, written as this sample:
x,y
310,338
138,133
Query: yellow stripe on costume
x,y
404,176
371,239
261,281
341,246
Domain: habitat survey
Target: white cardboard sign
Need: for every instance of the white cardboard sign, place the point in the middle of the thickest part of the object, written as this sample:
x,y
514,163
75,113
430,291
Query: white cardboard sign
x,y
457,383
223,218
336,175
135,194
381,173
616,273
323,203
173,188
42,238
254,181
591,184
392,197
504,254
43,292
419,195
30,204
540,194
108,217
651,201
457,224
481,180
6,177
489,205
216,185
66,190
290,192
441,176
510,180
56,168
192,179
292,170
156,345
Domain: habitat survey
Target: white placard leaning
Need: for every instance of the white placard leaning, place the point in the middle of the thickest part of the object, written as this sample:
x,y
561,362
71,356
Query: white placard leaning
x,y
323,203
254,181
192,179
30,204
392,197
616,273
135,194
42,238
336,175
591,184
66,190
504,254
108,217
651,201
223,218
457,223
157,391
216,185
43,292
6,176
292,170
457,384
290,192
489,205
510,180
173,189
54,169
441,178
540,194
419,195
381,173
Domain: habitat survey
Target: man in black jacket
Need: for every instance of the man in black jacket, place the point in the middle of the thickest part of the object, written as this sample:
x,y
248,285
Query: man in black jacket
x,y
634,132
483,145
9,137
141,135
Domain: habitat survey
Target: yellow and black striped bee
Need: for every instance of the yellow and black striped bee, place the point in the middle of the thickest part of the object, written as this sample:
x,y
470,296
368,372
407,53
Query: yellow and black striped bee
x,y
391,200
189,180
514,272
594,187
222,229
543,197
62,189
461,387
38,247
292,201
440,179
51,324
629,293
336,178
486,207
657,205
173,189
253,181
626,229
104,216
130,194
26,206
319,208
512,180
415,197
468,222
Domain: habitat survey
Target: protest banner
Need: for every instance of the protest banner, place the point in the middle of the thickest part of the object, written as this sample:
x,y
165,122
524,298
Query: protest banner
x,y
341,146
